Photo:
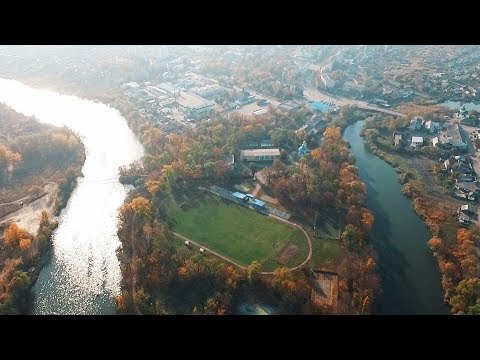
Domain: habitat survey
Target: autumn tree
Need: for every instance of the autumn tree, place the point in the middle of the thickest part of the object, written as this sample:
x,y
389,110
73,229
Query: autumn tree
x,y
467,294
14,234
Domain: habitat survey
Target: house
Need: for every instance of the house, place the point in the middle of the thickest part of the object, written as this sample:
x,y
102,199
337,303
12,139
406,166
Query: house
x,y
465,168
454,137
432,126
435,141
416,123
466,215
467,210
259,112
416,141
327,80
469,186
471,195
259,154
466,178
229,160
446,164
397,139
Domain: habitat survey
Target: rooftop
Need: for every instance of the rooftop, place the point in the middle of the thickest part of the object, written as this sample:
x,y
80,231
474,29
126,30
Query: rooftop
x,y
258,202
417,139
192,101
290,105
239,195
260,152
167,87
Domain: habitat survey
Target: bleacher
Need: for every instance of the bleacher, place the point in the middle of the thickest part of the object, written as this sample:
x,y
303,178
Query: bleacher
x,y
277,212
227,194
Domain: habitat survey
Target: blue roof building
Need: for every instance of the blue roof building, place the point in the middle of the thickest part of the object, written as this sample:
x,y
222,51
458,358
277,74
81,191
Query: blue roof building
x,y
239,196
302,150
258,203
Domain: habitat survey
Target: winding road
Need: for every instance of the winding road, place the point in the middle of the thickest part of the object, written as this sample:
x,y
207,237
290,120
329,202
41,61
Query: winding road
x,y
312,94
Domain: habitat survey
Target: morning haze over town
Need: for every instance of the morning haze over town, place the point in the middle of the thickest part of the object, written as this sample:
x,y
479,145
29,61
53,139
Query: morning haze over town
x,y
239,180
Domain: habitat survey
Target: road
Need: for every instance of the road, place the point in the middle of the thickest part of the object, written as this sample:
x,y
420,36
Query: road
x,y
211,251
474,155
28,217
312,94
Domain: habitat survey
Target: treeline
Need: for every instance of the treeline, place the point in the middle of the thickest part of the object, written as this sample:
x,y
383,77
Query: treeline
x,y
456,252
22,256
197,154
28,147
161,278
453,247
327,180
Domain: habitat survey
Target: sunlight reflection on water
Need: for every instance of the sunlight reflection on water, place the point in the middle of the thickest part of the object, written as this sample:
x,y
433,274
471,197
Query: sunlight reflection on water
x,y
84,273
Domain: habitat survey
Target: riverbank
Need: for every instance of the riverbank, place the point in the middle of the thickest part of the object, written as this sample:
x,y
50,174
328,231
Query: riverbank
x,y
410,276
438,214
83,276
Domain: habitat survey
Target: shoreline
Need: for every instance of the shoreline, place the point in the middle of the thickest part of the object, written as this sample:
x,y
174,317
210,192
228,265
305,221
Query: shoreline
x,y
417,198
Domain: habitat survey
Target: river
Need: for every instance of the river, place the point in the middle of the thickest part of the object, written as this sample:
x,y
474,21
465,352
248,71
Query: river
x,y
84,275
410,275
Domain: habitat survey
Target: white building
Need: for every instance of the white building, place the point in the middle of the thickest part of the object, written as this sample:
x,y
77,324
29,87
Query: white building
x,y
259,112
259,154
417,141
194,106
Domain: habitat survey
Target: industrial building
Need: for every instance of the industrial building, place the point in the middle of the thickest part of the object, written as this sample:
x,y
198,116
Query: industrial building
x,y
259,154
194,106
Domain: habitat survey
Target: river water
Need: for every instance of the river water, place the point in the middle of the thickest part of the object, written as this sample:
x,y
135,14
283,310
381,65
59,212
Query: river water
x,y
410,275
84,274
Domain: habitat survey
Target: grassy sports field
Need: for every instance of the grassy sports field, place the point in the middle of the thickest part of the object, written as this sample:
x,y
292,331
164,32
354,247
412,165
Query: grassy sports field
x,y
234,231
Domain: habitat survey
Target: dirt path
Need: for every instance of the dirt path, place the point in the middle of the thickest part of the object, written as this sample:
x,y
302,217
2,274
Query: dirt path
x,y
16,201
28,217
211,251
257,189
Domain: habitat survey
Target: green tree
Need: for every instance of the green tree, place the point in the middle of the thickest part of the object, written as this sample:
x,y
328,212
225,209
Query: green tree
x,y
371,135
475,309
209,168
350,236
253,270
253,167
